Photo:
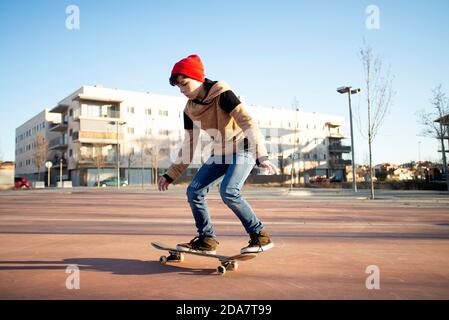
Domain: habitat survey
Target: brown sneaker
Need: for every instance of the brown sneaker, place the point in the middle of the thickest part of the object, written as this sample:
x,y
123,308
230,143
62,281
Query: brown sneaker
x,y
199,244
259,242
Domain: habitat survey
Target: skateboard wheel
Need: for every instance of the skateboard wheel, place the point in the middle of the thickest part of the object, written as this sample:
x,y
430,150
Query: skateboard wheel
x,y
231,266
176,257
221,270
163,259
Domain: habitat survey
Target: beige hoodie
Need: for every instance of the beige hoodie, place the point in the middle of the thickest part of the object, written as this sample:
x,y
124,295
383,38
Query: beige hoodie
x,y
227,130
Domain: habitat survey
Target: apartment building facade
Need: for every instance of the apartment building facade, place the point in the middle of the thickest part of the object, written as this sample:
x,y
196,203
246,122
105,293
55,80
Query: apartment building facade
x,y
92,128
303,144
28,137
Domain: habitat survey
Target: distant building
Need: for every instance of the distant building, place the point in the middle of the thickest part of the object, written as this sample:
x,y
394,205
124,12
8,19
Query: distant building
x,y
445,122
6,175
26,139
309,142
85,128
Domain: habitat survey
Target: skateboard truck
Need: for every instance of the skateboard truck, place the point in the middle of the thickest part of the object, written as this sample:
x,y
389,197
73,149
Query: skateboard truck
x,y
227,263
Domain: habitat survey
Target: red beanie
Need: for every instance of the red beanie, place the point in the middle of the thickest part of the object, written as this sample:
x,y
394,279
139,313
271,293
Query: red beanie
x,y
191,67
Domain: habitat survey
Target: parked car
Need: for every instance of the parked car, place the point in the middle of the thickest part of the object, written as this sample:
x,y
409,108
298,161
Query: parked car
x,y
336,179
112,182
21,182
319,179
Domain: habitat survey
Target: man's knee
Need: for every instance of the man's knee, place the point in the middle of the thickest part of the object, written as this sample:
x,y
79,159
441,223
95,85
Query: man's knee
x,y
193,192
229,195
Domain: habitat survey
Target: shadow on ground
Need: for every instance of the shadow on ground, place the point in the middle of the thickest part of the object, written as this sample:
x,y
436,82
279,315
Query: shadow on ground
x,y
112,265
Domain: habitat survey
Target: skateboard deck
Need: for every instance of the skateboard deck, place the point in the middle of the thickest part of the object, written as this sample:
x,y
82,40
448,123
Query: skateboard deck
x,y
229,263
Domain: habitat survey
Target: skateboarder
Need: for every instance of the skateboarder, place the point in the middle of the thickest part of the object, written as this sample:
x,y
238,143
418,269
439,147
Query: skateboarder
x,y
237,147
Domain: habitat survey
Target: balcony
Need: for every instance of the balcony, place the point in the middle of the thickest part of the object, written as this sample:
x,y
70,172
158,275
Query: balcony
x,y
110,114
58,127
60,108
335,135
339,163
338,148
90,160
97,137
334,124
59,143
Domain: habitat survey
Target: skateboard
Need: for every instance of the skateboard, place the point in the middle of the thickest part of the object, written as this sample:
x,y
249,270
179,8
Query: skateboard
x,y
228,263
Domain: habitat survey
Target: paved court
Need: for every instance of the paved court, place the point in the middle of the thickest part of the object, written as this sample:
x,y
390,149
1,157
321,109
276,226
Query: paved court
x,y
324,242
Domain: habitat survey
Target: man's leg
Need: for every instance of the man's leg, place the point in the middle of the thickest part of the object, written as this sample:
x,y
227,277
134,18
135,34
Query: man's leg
x,y
204,179
231,185
230,192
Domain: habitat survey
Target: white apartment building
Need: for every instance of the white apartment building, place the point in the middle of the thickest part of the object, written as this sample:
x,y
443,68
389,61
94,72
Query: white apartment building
x,y
310,142
26,140
86,127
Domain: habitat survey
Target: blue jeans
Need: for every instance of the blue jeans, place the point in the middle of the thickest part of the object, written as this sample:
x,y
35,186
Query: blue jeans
x,y
235,168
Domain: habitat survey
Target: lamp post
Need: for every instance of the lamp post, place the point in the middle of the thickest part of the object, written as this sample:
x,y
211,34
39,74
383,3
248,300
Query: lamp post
x,y
350,91
48,164
121,123
60,171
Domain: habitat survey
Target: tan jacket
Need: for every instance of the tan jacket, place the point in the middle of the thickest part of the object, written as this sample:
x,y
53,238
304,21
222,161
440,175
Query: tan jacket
x,y
227,130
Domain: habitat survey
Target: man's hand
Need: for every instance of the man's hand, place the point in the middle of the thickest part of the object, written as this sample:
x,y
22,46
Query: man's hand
x,y
271,168
162,184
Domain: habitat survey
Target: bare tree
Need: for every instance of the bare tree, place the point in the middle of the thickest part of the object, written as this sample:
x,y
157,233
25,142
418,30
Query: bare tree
x,y
130,159
433,128
155,146
379,94
294,155
40,152
144,144
99,160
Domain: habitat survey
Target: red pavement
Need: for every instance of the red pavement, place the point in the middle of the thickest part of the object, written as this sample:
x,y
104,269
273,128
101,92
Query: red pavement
x,y
323,245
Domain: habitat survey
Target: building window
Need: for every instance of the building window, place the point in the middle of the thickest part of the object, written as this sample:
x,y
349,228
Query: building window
x,y
148,111
70,153
148,131
130,109
324,156
163,113
130,130
92,110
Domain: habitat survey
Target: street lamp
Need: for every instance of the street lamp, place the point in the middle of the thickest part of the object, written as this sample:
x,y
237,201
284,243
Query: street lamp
x,y
121,123
48,164
350,91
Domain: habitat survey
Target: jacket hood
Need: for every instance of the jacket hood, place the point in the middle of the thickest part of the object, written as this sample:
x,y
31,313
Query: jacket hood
x,y
218,88
195,110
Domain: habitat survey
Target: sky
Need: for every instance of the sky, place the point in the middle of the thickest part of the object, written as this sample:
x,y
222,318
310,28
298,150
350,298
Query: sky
x,y
268,51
